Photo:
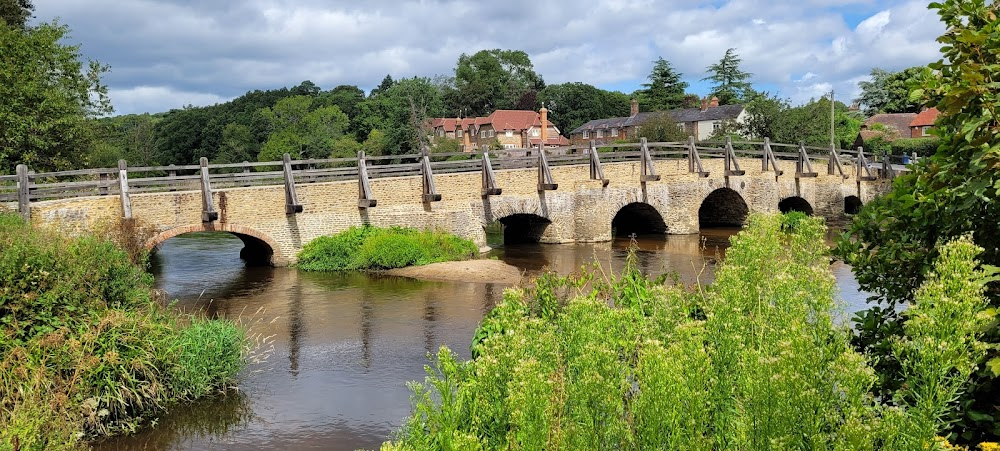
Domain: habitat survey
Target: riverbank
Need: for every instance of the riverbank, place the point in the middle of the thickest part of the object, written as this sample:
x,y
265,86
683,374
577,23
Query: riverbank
x,y
476,271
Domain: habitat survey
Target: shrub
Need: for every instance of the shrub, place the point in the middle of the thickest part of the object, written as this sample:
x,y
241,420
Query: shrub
x,y
921,146
754,361
370,247
85,350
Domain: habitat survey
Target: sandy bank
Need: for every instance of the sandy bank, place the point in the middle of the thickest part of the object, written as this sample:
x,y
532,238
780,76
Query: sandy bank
x,y
479,271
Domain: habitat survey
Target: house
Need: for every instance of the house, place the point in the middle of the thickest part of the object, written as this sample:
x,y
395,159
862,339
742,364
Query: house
x,y
923,123
698,122
508,129
893,126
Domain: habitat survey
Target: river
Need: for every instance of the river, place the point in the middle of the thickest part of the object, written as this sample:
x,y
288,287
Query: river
x,y
339,348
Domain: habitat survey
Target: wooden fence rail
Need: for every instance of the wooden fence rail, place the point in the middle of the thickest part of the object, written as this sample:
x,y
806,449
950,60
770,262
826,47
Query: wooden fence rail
x,y
25,187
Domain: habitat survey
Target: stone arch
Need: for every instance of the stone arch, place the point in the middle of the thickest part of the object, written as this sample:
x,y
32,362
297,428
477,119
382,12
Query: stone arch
x,y
795,203
723,207
258,248
852,205
638,218
523,227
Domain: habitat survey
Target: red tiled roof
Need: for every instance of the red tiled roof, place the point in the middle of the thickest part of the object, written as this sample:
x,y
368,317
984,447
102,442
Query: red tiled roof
x,y
557,141
513,119
926,117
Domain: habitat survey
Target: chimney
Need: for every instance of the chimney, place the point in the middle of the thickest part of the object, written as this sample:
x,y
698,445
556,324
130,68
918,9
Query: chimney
x,y
714,103
545,122
635,107
704,104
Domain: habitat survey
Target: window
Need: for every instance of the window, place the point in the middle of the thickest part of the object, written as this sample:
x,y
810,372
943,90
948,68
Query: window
x,y
482,134
716,126
458,133
536,132
508,146
586,134
600,134
614,132
491,133
926,130
440,133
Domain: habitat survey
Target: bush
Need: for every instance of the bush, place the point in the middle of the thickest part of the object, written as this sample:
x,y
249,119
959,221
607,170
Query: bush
x,y
85,350
370,247
754,361
921,146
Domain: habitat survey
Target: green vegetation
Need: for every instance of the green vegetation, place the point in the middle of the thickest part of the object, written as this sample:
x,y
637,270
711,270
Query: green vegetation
x,y
368,247
893,241
754,361
85,349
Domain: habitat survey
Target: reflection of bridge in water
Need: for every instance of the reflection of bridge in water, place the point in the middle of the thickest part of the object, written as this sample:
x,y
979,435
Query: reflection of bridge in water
x,y
571,194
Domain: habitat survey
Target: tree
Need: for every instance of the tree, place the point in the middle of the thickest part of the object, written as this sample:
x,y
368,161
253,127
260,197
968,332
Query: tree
x,y
47,98
889,92
400,113
493,79
387,83
731,83
130,137
954,192
763,114
15,13
298,130
665,90
571,105
661,127
346,97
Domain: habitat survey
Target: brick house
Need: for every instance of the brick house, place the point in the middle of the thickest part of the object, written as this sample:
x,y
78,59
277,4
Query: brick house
x,y
697,122
508,129
923,123
896,124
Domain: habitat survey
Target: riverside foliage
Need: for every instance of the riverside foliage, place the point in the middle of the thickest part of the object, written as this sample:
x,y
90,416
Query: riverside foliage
x,y
368,247
757,360
85,349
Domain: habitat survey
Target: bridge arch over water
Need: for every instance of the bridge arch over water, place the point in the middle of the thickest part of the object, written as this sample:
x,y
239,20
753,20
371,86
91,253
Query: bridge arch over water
x,y
795,203
638,218
723,207
852,205
258,248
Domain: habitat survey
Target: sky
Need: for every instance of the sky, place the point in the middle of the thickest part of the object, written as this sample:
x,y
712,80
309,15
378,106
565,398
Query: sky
x,y
166,54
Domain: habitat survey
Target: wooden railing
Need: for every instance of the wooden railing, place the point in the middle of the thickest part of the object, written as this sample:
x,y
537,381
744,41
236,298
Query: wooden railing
x,y
25,187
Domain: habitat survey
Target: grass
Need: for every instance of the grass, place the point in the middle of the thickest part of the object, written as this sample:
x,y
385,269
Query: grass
x,y
367,247
85,349
753,361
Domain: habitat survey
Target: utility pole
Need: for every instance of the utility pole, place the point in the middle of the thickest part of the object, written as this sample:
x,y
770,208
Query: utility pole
x,y
833,138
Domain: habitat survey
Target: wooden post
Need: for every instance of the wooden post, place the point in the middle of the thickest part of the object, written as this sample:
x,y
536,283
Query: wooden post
x,y
647,172
172,173
803,168
365,199
246,170
102,187
489,179
887,169
694,161
545,182
208,213
864,172
292,204
430,193
123,189
834,163
732,165
23,193
769,159
596,171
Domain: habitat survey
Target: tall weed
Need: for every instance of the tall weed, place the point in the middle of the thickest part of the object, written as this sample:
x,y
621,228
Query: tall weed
x,y
754,361
367,247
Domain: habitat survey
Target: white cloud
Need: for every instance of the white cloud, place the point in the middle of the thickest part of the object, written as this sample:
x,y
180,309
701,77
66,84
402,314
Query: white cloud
x,y
211,51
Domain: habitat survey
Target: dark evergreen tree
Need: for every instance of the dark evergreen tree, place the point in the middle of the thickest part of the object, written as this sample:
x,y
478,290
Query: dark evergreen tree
x,y
731,83
665,90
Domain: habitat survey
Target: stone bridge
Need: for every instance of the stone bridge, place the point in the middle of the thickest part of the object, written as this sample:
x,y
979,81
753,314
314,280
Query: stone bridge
x,y
574,198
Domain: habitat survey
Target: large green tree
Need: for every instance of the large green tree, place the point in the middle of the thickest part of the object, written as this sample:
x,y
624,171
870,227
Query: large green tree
x,y
954,192
495,79
131,137
730,82
15,13
46,98
400,113
571,105
889,92
665,90
301,131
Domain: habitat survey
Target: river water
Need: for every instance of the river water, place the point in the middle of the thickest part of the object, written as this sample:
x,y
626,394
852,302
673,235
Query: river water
x,y
338,349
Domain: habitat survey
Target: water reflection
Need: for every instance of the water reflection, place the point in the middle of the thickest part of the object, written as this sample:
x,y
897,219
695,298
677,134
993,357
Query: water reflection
x,y
346,344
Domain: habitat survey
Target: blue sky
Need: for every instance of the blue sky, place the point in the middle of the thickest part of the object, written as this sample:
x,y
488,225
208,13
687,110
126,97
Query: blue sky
x,y
165,54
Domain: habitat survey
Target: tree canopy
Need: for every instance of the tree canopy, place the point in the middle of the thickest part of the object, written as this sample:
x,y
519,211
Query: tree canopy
x,y
492,80
573,104
47,98
665,90
15,13
731,83
889,92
